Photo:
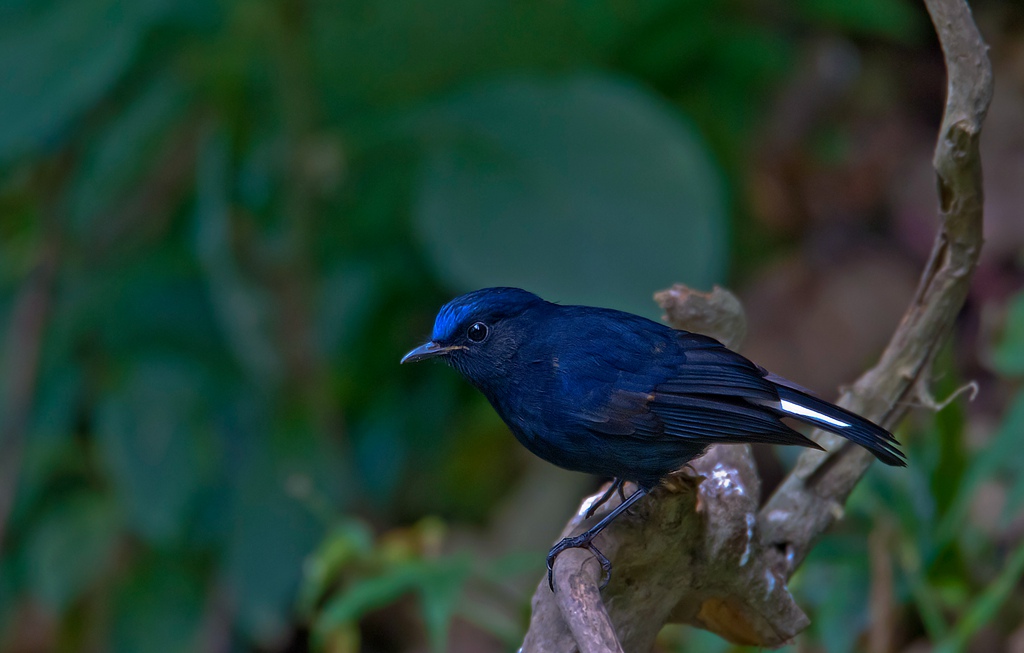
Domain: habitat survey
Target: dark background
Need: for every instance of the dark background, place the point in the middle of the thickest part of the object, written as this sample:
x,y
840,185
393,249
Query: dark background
x,y
223,223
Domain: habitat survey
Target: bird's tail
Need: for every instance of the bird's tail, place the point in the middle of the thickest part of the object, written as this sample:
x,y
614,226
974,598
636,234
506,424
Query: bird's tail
x,y
799,404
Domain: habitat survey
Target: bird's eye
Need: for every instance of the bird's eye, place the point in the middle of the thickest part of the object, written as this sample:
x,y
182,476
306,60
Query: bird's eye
x,y
477,332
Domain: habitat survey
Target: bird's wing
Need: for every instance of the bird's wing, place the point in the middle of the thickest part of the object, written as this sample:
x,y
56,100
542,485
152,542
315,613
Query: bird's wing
x,y
685,386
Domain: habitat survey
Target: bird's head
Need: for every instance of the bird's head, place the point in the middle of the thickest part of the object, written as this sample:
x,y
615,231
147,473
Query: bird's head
x,y
479,332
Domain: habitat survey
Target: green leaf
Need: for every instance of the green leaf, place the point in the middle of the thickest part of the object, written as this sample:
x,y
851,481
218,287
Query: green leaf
x,y
1008,354
347,542
271,536
150,433
840,560
951,458
428,50
152,304
897,20
42,93
1007,442
925,595
381,455
1014,499
1002,455
123,151
59,396
584,189
8,592
438,582
440,589
159,610
347,295
272,531
50,449
365,596
243,309
71,547
985,608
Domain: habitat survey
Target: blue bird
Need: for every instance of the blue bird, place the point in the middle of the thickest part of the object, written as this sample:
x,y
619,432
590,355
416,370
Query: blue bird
x,y
610,393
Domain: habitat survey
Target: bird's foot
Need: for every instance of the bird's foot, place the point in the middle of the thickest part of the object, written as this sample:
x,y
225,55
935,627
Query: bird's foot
x,y
616,486
584,541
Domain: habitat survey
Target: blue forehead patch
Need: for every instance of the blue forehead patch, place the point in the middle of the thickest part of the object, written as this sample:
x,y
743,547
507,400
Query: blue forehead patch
x,y
487,304
449,318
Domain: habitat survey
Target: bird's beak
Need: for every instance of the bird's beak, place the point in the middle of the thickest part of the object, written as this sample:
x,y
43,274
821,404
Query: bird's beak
x,y
425,351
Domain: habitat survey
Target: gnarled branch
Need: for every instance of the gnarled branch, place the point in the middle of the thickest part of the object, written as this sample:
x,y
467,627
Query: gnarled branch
x,y
709,557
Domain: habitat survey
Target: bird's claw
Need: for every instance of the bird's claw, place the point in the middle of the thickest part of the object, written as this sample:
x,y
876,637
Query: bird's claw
x,y
584,541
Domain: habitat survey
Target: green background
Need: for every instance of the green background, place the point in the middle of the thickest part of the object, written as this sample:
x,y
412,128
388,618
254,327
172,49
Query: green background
x,y
238,216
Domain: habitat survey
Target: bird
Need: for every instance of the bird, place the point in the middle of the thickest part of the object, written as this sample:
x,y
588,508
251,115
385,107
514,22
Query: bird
x,y
614,394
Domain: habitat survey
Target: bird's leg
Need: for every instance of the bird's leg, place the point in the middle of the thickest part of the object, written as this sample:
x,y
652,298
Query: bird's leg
x,y
585,540
616,485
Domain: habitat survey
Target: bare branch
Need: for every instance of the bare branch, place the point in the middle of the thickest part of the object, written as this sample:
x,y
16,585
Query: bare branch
x,y
710,558
803,503
718,313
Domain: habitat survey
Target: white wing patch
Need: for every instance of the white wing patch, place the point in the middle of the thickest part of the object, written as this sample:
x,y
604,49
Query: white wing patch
x,y
803,411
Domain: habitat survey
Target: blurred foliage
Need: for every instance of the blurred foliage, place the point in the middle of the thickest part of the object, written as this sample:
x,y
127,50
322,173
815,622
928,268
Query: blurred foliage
x,y
350,575
257,206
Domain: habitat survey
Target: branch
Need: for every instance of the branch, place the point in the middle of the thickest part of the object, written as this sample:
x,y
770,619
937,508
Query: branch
x,y
709,557
718,313
803,506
